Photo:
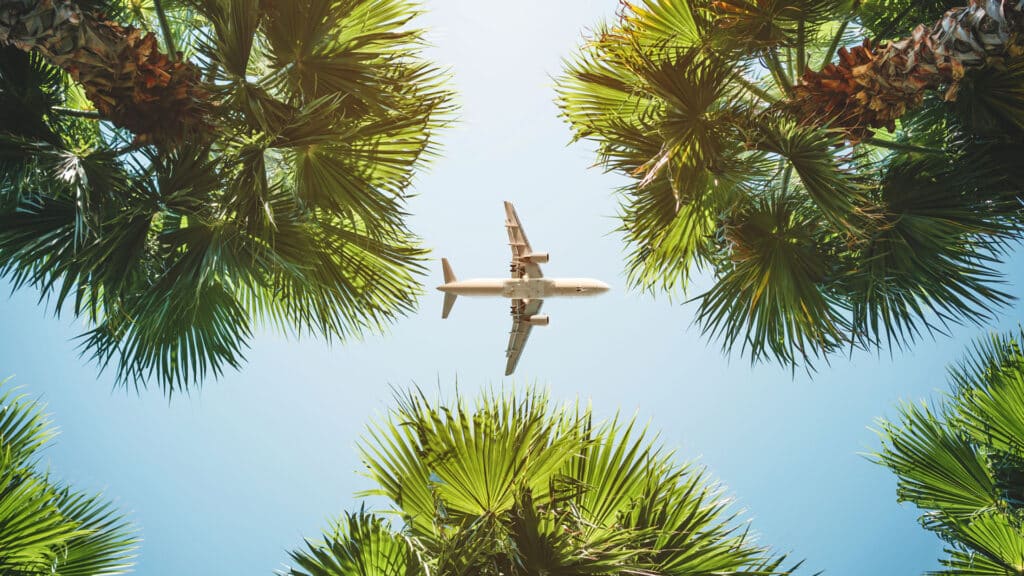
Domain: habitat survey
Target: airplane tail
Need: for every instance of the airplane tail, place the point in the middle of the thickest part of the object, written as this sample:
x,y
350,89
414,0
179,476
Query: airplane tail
x,y
449,277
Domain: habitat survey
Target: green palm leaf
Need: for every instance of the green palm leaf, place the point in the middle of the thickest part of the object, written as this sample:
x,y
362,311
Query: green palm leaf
x,y
359,545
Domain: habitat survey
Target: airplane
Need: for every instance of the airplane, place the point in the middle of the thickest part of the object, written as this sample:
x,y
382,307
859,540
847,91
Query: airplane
x,y
527,288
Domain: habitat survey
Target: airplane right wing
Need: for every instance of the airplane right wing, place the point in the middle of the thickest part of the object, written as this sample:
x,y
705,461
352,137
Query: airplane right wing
x,y
521,310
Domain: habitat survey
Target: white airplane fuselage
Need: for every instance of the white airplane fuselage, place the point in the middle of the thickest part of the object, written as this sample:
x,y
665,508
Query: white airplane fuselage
x,y
526,288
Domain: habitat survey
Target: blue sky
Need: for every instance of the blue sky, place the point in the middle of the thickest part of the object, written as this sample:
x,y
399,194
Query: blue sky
x,y
227,480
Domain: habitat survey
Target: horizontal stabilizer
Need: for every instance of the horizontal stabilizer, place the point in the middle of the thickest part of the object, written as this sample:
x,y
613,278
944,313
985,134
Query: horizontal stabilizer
x,y
449,301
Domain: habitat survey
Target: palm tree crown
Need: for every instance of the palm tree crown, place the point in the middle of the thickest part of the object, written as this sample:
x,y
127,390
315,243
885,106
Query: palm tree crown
x,y
962,461
255,174
752,156
513,486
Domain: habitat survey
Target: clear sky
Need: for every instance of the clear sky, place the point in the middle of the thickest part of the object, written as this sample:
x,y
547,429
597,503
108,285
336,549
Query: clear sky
x,y
226,481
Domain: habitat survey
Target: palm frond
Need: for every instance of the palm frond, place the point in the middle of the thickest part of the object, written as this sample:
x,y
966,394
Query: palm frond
x,y
770,295
45,528
359,545
940,470
961,463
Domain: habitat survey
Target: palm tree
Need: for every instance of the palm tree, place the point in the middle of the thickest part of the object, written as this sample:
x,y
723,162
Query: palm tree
x,y
752,157
514,486
253,172
45,527
962,461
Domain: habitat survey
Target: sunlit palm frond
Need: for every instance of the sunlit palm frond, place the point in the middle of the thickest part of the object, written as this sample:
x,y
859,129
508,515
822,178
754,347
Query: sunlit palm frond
x,y
359,545
480,459
666,25
107,543
45,528
990,399
940,470
755,25
990,545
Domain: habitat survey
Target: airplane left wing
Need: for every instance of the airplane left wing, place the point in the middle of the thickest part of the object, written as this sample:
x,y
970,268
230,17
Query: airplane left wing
x,y
520,246
521,310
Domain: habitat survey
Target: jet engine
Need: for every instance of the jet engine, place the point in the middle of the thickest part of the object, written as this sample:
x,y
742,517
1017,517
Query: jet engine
x,y
537,257
538,320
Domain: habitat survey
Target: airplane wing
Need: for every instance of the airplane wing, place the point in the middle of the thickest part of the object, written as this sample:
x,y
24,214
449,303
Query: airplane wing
x,y
520,330
520,246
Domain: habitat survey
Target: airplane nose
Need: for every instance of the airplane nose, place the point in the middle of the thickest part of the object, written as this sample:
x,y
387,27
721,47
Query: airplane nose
x,y
602,287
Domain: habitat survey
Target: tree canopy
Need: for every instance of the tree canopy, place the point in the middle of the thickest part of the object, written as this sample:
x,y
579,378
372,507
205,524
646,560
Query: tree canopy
x,y
255,174
845,172
513,485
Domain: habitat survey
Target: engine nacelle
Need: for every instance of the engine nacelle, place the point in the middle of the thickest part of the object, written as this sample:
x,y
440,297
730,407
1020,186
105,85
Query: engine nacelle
x,y
538,320
537,257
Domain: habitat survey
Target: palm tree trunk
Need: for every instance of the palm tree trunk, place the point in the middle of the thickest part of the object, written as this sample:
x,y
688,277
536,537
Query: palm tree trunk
x,y
123,72
871,86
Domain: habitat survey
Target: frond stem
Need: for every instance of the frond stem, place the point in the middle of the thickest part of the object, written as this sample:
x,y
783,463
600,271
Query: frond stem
x,y
776,67
756,90
76,113
801,49
901,147
165,27
831,52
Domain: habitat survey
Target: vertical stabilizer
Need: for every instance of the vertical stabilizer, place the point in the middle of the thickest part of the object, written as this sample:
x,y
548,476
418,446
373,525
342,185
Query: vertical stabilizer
x,y
449,276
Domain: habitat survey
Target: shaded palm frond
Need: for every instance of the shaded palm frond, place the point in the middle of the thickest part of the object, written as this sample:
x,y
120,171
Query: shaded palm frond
x,y
772,294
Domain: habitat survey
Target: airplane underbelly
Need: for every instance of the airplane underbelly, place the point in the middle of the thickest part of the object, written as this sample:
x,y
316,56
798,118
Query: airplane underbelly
x,y
525,289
